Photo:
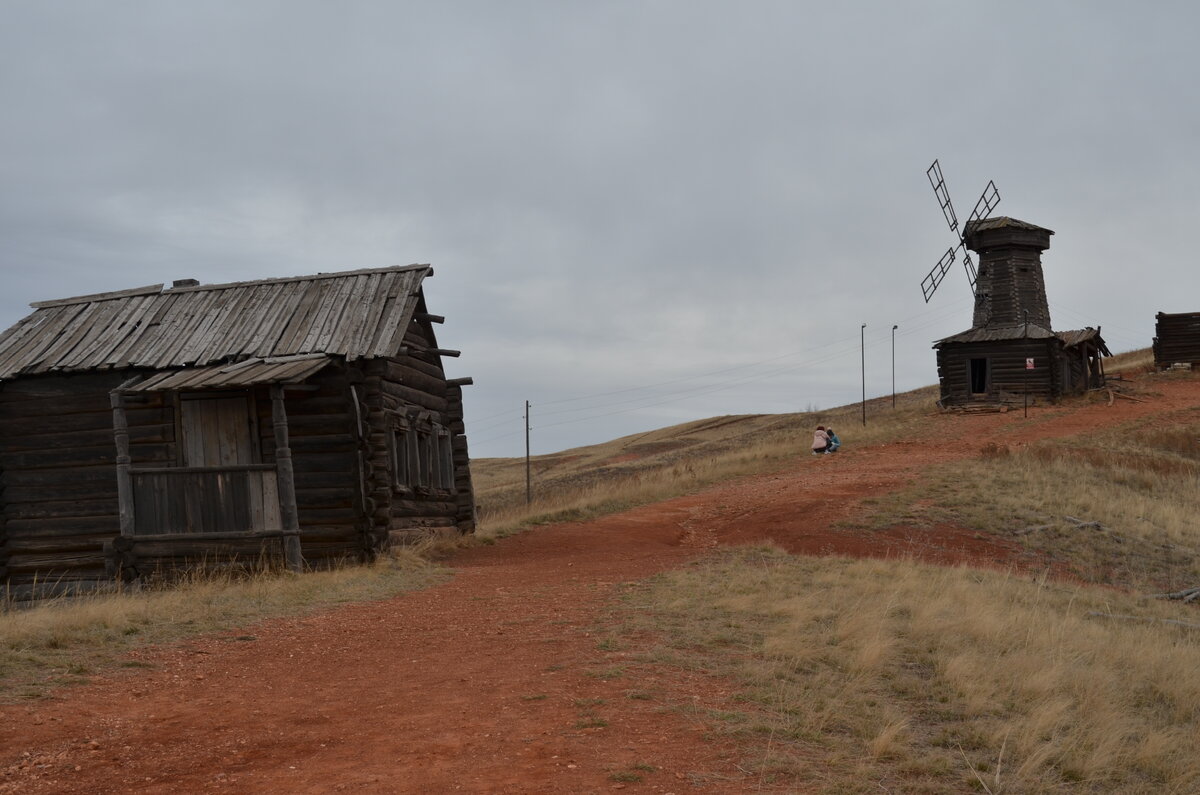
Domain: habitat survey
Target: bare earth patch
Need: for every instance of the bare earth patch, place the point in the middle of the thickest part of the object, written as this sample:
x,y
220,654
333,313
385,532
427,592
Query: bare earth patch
x,y
494,682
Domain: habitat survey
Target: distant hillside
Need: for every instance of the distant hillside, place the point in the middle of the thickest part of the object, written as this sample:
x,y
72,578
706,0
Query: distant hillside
x,y
500,482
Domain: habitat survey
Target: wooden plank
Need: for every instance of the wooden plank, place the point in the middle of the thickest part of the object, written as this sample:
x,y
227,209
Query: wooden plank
x,y
119,328
80,299
155,331
100,321
375,314
395,311
352,343
298,326
68,338
28,352
225,337
285,309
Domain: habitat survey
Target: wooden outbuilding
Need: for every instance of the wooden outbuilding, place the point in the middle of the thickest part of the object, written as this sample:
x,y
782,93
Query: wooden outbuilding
x,y
1010,349
306,420
1177,339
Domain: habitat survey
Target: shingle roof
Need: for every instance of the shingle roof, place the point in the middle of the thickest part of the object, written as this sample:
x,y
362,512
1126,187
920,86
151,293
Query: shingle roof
x,y
355,314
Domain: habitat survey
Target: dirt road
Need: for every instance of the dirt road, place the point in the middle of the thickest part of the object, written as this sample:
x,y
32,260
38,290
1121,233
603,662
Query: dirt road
x,y
494,681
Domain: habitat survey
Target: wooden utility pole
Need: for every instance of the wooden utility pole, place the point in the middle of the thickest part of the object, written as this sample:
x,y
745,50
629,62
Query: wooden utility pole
x,y
894,327
862,347
528,476
1027,363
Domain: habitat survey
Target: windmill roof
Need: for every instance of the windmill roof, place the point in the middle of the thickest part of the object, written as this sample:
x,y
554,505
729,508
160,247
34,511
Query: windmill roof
x,y
355,314
1001,222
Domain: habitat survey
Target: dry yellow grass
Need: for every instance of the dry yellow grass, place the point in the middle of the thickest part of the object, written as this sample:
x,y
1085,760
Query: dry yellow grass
x,y
1117,507
868,674
61,642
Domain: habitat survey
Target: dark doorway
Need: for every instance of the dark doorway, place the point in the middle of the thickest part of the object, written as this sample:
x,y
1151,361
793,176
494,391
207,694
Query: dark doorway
x,y
979,376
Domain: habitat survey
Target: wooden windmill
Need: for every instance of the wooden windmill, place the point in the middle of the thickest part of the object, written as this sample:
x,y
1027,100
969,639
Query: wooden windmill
x,y
1010,347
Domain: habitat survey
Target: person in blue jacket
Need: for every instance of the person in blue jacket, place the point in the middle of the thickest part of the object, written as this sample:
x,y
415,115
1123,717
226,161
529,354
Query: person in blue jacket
x,y
834,441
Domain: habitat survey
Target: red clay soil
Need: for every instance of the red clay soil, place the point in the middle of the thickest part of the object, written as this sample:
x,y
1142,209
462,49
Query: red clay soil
x,y
493,681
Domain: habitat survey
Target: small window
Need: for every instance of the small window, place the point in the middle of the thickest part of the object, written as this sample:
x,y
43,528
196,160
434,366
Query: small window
x,y
425,459
401,458
445,460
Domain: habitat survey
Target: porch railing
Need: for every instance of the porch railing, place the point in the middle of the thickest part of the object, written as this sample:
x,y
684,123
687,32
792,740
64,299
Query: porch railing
x,y
175,500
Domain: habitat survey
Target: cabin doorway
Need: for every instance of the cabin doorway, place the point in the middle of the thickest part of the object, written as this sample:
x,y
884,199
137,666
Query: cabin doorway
x,y
217,431
979,376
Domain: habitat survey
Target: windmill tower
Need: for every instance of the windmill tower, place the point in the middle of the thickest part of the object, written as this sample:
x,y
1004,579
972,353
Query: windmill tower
x,y
1010,350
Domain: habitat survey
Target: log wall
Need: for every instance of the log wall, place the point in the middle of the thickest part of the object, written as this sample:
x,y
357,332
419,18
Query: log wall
x,y
325,463
1177,339
58,464
1006,369
403,387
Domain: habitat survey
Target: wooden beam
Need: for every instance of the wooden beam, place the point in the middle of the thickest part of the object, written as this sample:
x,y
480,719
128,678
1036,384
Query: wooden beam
x,y
149,289
288,513
124,483
468,381
249,535
428,317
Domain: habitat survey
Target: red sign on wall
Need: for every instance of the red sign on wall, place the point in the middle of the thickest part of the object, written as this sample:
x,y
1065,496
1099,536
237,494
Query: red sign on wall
x,y
1029,364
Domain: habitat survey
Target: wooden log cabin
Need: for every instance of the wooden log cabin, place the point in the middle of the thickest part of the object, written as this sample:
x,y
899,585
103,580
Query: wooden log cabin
x,y
1010,350
1177,339
306,420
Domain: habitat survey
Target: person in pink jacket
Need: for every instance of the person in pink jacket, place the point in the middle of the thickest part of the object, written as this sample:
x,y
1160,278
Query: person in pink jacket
x,y
820,441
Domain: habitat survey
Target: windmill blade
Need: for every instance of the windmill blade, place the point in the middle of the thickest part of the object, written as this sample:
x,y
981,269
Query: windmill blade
x,y
987,202
931,282
972,275
934,173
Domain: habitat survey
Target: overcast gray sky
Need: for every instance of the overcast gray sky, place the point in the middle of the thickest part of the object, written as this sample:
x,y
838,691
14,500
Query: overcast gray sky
x,y
639,213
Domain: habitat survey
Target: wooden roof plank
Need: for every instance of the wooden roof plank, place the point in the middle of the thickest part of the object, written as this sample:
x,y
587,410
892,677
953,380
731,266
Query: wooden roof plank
x,y
375,318
116,329
152,330
291,299
293,336
96,297
46,335
352,341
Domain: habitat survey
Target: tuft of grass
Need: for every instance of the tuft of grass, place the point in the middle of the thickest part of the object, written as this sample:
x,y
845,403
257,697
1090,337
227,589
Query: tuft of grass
x,y
947,677
96,632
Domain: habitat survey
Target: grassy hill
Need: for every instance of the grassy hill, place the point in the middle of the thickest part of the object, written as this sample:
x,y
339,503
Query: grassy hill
x,y
640,468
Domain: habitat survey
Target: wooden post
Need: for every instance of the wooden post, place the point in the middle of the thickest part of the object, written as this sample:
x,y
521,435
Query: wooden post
x,y
124,481
528,476
286,484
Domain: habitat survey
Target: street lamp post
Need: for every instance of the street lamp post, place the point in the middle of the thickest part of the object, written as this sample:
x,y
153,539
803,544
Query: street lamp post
x,y
894,327
862,347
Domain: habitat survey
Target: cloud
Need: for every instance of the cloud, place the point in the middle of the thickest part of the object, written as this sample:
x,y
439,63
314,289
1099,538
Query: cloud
x,y
616,195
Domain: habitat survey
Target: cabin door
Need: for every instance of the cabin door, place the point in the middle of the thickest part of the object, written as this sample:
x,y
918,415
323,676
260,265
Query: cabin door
x,y
217,431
